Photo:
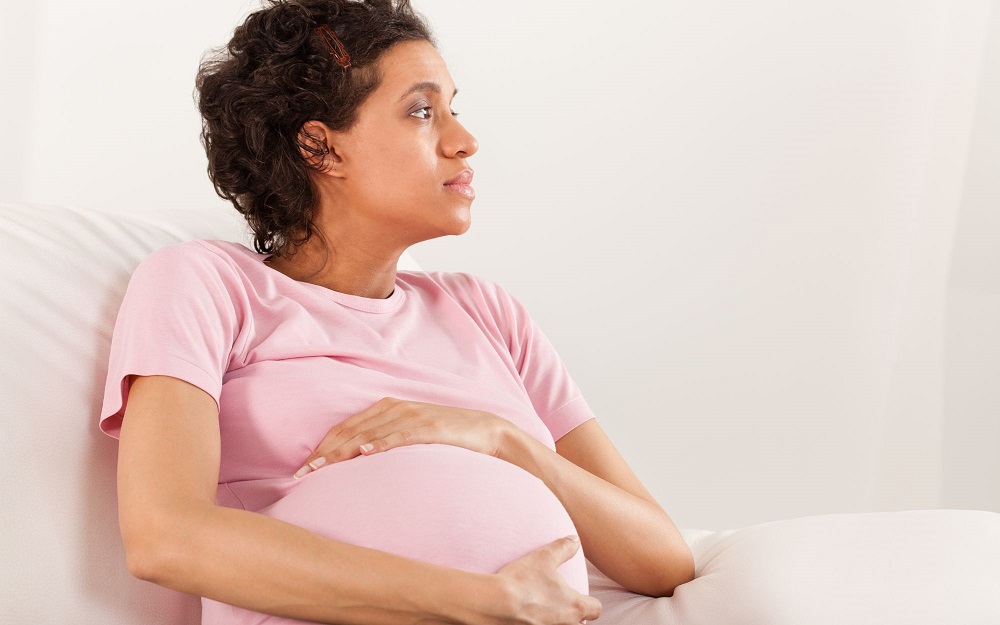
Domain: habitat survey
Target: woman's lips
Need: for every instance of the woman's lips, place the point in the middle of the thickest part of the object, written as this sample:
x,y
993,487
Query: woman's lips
x,y
465,190
465,177
462,184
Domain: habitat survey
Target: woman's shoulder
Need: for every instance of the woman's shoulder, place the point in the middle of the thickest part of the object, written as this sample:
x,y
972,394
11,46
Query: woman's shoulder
x,y
196,254
195,261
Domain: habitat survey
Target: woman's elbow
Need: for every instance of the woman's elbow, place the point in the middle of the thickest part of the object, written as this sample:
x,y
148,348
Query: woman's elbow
x,y
146,554
679,573
154,548
140,564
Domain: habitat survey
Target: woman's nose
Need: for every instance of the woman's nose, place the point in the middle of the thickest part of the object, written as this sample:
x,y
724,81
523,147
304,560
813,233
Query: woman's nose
x,y
463,141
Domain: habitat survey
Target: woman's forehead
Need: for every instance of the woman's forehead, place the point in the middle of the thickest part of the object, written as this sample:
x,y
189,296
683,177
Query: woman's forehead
x,y
414,66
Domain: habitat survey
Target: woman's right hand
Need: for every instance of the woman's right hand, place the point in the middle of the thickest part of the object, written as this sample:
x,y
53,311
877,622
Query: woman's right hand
x,y
539,595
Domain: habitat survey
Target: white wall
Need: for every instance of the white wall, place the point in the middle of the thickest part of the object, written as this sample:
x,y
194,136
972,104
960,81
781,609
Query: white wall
x,y
971,358
762,235
18,30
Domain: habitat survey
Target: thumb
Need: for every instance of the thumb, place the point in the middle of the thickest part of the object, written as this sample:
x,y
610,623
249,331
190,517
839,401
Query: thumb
x,y
570,545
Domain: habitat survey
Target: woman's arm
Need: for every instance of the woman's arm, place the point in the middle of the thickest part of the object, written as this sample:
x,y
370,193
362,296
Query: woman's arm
x,y
624,531
175,535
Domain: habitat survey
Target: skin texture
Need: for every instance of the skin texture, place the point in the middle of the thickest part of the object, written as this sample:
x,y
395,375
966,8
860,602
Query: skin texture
x,y
382,189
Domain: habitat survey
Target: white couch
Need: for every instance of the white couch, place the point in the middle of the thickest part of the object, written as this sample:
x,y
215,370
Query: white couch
x,y
65,269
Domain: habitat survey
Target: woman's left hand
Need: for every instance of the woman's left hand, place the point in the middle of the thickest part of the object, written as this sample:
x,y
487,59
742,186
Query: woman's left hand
x,y
392,422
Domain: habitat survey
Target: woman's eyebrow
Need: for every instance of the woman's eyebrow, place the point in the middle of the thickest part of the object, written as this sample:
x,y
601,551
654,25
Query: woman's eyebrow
x,y
426,85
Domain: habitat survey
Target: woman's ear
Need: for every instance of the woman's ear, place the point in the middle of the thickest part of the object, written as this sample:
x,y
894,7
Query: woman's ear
x,y
315,143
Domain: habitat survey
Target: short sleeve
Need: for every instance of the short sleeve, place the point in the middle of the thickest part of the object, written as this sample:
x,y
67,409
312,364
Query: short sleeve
x,y
177,318
554,394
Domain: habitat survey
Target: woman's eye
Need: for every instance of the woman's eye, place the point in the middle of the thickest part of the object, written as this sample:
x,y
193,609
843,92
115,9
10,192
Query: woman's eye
x,y
428,108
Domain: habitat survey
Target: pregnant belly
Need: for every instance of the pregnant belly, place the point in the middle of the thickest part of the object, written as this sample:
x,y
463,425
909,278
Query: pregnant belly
x,y
437,503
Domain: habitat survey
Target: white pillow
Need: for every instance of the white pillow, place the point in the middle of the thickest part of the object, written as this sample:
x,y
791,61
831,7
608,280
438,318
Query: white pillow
x,y
914,567
65,269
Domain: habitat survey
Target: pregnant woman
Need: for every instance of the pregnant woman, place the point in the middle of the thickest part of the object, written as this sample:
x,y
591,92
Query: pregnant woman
x,y
308,434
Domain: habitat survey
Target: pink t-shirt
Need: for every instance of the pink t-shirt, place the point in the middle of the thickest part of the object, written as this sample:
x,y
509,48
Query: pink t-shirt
x,y
287,360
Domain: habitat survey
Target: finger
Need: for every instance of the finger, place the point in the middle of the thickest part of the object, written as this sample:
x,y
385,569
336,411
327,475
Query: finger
x,y
564,548
349,427
330,448
336,451
391,433
394,438
348,446
379,406
594,608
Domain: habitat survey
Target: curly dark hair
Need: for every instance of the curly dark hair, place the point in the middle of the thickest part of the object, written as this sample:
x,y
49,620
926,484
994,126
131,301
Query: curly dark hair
x,y
275,74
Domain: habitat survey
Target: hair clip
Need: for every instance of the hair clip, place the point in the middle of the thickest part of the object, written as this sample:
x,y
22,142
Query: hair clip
x,y
340,53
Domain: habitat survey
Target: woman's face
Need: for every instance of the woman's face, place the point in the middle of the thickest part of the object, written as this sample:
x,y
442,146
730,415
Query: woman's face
x,y
391,167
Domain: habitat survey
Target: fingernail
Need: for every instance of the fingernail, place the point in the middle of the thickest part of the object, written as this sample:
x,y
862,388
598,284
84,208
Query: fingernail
x,y
318,462
367,447
305,469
